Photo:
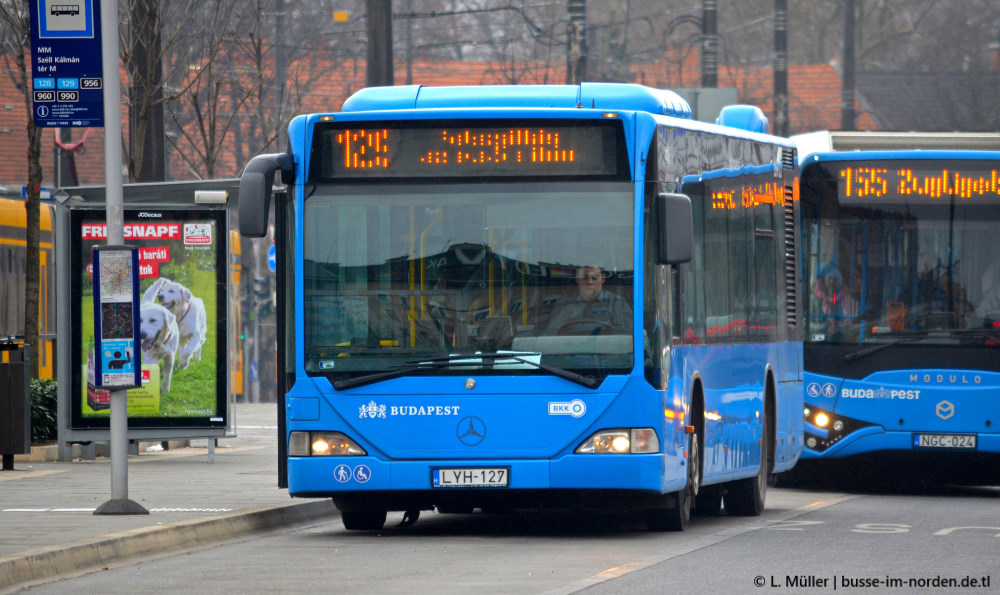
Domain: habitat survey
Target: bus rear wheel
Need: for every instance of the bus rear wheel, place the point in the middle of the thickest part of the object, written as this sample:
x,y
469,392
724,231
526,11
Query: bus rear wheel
x,y
363,520
745,497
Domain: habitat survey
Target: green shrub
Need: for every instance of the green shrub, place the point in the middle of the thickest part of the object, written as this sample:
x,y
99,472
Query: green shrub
x,y
44,404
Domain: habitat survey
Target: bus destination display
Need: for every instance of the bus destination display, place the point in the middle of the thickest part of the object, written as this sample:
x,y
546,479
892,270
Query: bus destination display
x,y
931,181
366,151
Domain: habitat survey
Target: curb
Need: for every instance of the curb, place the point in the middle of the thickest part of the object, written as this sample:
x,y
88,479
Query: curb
x,y
50,452
65,561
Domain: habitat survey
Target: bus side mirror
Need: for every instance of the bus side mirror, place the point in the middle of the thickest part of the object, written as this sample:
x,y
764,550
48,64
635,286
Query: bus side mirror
x,y
255,191
676,225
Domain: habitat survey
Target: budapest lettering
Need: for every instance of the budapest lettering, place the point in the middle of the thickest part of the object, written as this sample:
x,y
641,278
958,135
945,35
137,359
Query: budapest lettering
x,y
374,410
879,393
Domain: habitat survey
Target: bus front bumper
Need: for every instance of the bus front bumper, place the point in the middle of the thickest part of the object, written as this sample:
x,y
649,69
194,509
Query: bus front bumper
x,y
342,476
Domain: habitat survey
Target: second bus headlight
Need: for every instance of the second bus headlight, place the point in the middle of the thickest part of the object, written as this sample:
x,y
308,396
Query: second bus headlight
x,y
322,444
620,441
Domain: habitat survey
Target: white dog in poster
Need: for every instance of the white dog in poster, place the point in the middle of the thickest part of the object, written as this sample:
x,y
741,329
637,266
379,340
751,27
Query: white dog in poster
x,y
192,322
159,334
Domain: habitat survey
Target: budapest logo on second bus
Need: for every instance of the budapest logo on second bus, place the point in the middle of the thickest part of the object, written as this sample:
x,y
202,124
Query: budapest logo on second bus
x,y
879,393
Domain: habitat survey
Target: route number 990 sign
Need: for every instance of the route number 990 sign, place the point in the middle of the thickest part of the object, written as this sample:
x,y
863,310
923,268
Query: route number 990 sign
x,y
593,149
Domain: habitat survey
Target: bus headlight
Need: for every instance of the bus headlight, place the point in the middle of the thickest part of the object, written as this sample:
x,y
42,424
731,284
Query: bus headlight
x,y
322,444
822,420
621,441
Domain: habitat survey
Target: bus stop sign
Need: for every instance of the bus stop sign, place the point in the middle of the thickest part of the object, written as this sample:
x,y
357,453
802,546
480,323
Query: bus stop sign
x,y
67,83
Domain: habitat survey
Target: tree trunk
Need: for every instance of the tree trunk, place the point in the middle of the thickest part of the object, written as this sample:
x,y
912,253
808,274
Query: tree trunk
x,y
31,205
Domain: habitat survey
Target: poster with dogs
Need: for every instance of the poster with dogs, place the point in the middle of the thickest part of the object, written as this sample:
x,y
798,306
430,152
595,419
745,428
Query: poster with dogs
x,y
182,267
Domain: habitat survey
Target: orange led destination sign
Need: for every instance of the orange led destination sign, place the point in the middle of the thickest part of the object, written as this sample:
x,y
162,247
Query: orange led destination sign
x,y
932,180
749,196
418,149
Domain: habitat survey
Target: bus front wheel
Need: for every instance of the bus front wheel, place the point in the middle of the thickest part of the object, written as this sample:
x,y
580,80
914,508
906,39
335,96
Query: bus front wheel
x,y
678,517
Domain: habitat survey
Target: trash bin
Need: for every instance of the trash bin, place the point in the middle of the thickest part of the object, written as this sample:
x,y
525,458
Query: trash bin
x,y
15,404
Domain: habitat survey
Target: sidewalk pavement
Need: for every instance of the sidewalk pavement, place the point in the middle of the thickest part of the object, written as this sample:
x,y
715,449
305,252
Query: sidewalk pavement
x,y
48,530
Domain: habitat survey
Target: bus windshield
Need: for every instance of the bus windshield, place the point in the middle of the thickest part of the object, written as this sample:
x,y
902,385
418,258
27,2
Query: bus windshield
x,y
902,252
398,276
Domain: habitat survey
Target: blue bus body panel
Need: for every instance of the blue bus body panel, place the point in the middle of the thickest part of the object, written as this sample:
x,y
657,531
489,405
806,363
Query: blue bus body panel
x,y
424,418
899,404
734,410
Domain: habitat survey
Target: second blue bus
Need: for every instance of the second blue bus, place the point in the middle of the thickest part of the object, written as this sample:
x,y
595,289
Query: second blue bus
x,y
902,345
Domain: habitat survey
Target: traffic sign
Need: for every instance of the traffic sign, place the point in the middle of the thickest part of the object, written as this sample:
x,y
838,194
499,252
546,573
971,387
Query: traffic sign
x,y
67,81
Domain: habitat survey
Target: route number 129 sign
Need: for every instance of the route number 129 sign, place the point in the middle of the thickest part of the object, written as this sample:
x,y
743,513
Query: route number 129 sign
x,y
117,360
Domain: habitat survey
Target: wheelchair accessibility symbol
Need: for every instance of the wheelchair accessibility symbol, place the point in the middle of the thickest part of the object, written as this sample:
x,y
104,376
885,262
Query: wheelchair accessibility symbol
x,y
362,473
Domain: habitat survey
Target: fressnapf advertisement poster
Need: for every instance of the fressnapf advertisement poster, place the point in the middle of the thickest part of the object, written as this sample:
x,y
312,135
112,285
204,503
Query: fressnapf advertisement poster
x,y
182,256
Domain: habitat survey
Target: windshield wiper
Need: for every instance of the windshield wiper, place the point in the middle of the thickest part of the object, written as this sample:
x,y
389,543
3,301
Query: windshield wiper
x,y
519,356
458,359
380,376
986,333
876,348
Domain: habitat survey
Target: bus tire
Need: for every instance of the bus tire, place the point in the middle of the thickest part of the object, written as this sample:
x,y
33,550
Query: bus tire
x,y
363,520
745,497
678,516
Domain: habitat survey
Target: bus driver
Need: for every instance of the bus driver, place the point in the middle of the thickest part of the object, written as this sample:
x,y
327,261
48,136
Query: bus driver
x,y
593,310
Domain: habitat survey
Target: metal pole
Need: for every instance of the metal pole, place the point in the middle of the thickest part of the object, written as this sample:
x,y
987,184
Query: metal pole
x,y
380,43
576,51
119,503
847,119
709,44
781,67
